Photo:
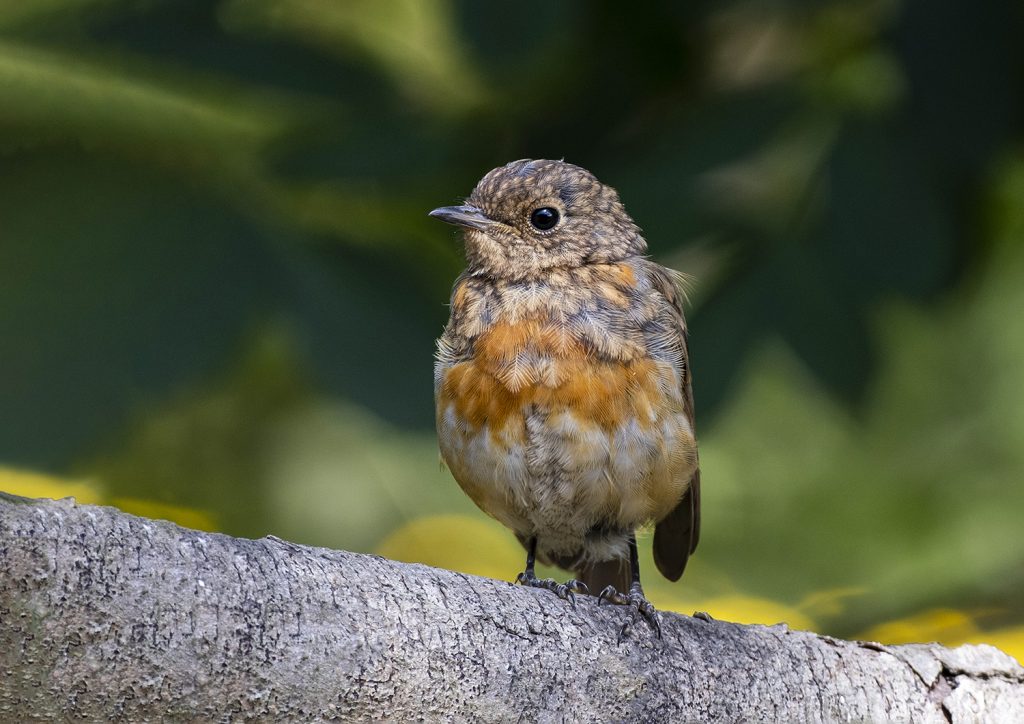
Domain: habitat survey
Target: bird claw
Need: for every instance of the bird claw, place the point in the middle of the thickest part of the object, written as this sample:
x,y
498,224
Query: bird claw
x,y
566,591
638,605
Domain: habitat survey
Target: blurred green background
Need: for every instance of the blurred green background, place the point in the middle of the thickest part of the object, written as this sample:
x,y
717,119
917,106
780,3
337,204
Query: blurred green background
x,y
219,288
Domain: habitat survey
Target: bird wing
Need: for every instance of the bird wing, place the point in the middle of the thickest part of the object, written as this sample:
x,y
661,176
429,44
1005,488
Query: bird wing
x,y
676,535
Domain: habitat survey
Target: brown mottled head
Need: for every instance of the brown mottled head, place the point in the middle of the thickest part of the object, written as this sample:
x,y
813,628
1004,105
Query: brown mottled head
x,y
528,217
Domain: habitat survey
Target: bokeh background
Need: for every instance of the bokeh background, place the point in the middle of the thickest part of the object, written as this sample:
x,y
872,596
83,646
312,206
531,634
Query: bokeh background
x,y
219,288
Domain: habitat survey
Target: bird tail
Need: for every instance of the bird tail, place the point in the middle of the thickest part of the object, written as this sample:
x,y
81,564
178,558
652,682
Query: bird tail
x,y
597,576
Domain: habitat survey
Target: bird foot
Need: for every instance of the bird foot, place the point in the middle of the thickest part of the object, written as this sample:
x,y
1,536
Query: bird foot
x,y
638,604
566,591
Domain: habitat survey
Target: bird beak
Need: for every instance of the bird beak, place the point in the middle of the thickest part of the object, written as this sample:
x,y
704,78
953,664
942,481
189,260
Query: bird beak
x,y
465,215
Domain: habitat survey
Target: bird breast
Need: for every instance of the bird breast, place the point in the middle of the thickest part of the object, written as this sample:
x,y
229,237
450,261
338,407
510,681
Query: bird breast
x,y
559,408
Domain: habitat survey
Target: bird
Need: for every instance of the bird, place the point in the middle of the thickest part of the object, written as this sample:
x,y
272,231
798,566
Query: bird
x,y
562,383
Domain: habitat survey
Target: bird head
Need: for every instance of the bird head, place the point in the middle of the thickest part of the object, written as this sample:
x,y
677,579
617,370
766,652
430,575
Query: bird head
x,y
530,217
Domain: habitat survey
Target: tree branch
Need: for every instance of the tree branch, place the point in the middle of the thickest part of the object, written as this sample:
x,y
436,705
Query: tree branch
x,y
106,615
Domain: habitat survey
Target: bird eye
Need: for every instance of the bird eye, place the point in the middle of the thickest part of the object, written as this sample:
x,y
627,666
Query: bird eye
x,y
544,218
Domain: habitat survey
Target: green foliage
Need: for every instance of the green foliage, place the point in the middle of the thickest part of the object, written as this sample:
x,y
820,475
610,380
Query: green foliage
x,y
413,42
109,103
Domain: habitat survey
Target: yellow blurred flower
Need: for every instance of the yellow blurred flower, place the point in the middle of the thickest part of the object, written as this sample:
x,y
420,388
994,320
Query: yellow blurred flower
x,y
945,625
1010,640
948,627
185,517
457,542
31,484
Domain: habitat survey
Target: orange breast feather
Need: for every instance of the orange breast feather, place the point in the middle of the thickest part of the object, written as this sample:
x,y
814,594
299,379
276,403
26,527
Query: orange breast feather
x,y
538,362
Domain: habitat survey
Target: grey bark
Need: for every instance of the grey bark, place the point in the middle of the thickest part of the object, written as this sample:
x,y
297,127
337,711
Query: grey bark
x,y
104,615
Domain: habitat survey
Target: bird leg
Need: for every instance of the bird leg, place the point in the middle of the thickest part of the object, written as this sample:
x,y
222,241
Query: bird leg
x,y
635,599
567,590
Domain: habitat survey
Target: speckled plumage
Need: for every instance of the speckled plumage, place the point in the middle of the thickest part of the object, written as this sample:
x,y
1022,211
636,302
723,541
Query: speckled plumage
x,y
561,380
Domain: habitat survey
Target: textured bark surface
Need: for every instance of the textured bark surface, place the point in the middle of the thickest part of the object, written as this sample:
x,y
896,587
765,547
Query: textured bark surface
x,y
105,615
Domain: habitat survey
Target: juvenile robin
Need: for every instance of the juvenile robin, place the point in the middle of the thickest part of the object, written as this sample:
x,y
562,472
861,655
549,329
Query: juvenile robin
x,y
562,383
